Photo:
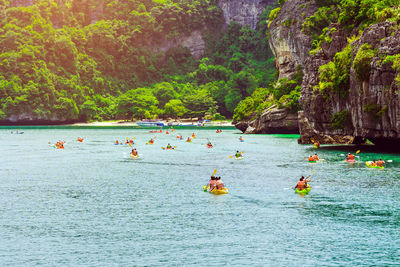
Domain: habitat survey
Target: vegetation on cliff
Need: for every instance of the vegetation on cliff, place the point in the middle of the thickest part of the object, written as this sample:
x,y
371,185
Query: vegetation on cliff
x,y
81,60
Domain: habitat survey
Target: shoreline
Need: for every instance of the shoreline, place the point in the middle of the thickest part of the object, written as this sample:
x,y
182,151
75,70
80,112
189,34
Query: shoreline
x,y
122,125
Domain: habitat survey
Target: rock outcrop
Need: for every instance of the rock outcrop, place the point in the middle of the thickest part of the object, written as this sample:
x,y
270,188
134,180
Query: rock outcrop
x,y
243,12
272,121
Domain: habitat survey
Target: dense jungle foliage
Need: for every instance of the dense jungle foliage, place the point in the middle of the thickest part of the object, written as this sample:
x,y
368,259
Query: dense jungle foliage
x,y
97,60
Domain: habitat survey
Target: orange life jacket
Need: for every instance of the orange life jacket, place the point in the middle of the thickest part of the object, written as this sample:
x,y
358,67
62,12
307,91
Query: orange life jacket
x,y
310,158
301,185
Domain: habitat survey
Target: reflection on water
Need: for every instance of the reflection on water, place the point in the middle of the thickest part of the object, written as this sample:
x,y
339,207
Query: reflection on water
x,y
91,204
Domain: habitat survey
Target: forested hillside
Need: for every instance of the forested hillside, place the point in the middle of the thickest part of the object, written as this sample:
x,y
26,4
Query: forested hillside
x,y
82,60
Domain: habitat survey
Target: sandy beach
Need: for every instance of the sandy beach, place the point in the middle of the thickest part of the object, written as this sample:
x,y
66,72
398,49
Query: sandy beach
x,y
174,123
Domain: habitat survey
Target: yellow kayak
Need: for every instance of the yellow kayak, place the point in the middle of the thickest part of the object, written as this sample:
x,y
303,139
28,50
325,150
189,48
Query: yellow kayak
x,y
133,156
220,191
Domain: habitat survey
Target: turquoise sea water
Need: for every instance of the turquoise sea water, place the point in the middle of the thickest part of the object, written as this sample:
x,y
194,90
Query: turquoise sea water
x,y
92,205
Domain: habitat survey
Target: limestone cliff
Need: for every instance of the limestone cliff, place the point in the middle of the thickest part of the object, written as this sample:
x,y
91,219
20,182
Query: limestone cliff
x,y
372,103
369,106
288,43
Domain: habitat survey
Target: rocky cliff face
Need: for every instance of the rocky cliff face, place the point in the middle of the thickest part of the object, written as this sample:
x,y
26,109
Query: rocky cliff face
x,y
243,12
372,103
288,43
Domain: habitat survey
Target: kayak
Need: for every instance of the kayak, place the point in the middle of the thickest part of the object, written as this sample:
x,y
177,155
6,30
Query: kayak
x,y
216,191
241,140
220,191
149,143
312,161
133,156
350,160
238,158
368,163
210,146
305,191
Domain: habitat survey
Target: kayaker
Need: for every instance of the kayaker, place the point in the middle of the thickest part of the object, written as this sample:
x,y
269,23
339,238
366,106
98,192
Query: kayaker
x,y
151,141
211,183
193,135
302,184
350,156
238,154
373,163
169,146
310,158
315,157
134,152
380,163
189,139
209,144
240,139
116,142
219,184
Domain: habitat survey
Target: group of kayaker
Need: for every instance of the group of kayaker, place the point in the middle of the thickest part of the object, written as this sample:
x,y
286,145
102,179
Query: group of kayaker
x,y
313,158
60,144
215,183
378,163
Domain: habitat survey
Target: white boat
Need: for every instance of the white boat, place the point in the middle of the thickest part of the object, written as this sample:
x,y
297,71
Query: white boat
x,y
150,123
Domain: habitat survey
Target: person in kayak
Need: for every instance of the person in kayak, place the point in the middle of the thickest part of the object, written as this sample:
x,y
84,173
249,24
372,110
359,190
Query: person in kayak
x,y
373,163
209,143
189,139
350,156
169,146
302,184
134,152
151,141
211,183
315,157
238,154
219,184
240,139
380,163
310,158
316,144
116,142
